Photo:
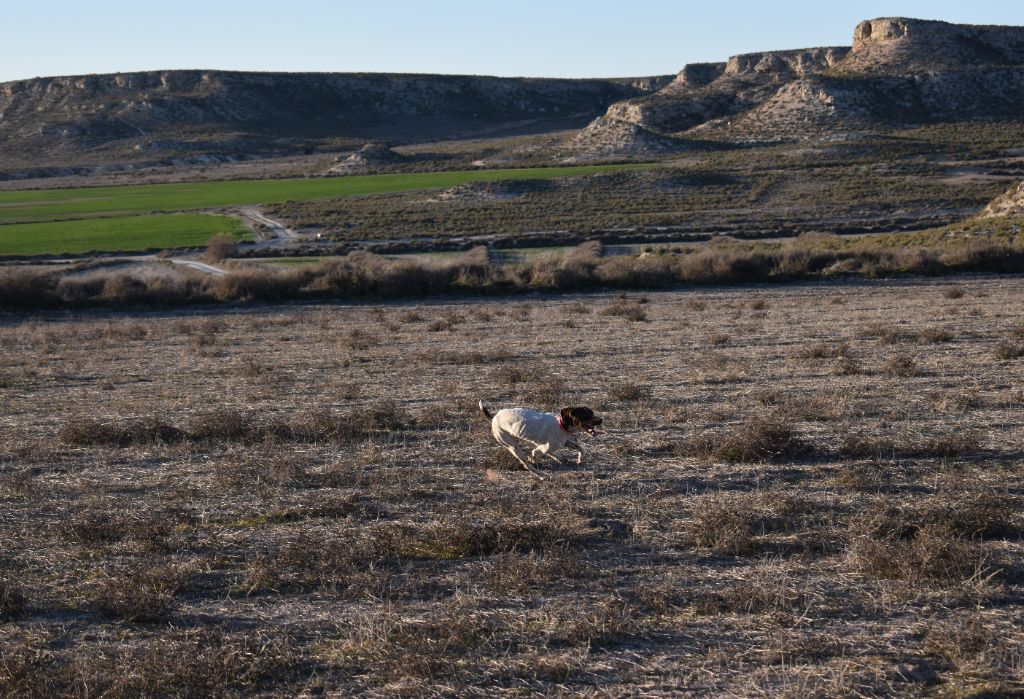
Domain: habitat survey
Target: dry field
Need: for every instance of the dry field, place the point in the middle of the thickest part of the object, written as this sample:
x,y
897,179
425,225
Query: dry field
x,y
801,490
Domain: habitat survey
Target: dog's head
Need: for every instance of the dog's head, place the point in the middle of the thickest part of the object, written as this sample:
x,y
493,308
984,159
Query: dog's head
x,y
581,419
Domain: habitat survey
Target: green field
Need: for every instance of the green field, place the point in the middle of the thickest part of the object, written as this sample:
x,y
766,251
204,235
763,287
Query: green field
x,y
127,233
95,202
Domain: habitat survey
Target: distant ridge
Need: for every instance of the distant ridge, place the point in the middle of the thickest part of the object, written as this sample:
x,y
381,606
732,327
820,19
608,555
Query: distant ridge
x,y
898,72
196,115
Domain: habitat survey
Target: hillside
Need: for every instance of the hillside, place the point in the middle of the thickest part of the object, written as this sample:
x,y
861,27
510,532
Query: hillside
x,y
898,72
197,117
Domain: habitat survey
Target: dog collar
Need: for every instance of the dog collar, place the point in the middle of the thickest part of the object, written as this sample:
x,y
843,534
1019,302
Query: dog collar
x,y
561,423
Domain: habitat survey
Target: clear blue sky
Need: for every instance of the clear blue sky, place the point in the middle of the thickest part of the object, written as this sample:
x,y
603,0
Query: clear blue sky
x,y
551,38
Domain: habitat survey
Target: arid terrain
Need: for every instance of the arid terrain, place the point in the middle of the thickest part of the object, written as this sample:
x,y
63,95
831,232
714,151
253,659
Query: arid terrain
x,y
240,448
801,490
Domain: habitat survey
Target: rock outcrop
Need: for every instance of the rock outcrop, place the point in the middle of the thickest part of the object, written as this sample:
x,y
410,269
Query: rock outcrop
x,y
370,156
901,46
610,139
898,72
1009,204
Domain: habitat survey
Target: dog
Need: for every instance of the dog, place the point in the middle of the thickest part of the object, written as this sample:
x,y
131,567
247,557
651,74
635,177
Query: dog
x,y
516,428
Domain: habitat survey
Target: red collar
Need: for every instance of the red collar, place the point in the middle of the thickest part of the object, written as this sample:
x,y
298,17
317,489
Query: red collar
x,y
561,423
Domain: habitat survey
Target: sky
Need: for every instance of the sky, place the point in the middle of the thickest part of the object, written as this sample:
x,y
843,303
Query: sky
x,y
552,38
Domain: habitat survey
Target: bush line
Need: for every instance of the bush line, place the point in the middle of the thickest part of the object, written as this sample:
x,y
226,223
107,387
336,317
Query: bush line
x,y
362,275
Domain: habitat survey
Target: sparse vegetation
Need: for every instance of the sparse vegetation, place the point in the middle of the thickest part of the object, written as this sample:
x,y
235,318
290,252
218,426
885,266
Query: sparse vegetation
x,y
362,275
320,475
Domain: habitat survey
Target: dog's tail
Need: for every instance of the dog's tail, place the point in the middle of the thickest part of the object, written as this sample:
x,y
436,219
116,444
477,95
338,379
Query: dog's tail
x,y
483,409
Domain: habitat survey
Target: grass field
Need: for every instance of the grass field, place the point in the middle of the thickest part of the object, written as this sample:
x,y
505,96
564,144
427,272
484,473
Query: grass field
x,y
802,490
127,233
67,204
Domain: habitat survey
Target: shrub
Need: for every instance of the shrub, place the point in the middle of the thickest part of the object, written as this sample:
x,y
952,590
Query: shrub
x,y
760,438
12,601
1008,350
932,555
96,527
972,514
222,424
89,432
938,445
625,391
629,311
722,525
901,366
20,289
220,247
145,594
259,285
825,350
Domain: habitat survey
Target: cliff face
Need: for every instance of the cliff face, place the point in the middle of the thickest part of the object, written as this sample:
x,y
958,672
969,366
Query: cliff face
x,y
898,46
898,72
140,115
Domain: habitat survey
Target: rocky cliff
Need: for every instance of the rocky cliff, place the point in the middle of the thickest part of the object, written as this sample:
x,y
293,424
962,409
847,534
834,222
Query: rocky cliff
x,y
210,114
899,46
897,72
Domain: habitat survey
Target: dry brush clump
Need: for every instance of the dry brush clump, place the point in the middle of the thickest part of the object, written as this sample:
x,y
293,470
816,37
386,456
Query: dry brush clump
x,y
209,661
931,556
937,540
12,601
960,443
143,431
232,425
146,594
1007,350
983,649
765,437
723,525
348,563
220,247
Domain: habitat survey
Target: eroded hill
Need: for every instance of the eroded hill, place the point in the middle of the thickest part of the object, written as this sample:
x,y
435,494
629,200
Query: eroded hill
x,y
898,72
209,116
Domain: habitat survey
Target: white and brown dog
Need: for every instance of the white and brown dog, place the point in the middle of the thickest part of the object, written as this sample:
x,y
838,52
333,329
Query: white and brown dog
x,y
515,428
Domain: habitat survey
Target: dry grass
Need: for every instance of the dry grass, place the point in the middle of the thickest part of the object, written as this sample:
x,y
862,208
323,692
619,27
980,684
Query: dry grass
x,y
760,438
305,500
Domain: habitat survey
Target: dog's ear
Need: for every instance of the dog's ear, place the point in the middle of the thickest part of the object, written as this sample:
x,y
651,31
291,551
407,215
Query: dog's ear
x,y
578,415
567,416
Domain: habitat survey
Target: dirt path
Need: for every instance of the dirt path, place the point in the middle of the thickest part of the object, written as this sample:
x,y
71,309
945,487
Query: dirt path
x,y
201,266
267,230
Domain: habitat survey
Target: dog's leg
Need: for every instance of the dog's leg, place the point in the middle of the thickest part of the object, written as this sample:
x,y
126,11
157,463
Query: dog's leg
x,y
575,446
543,450
521,457
511,444
516,453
